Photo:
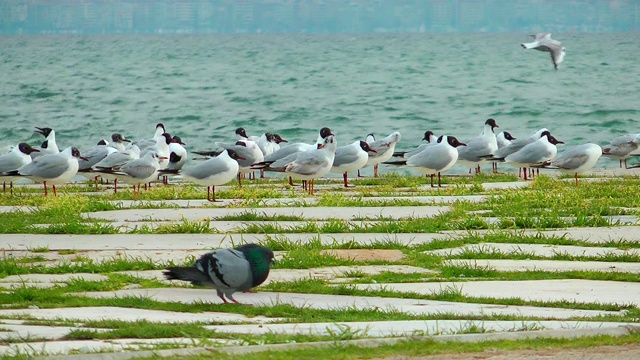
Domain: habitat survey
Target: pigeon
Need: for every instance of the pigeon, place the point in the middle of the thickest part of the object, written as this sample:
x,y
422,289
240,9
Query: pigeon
x,y
227,270
544,42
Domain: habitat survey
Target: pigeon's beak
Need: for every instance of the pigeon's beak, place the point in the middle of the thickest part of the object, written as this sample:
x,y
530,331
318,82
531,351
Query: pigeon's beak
x,y
273,261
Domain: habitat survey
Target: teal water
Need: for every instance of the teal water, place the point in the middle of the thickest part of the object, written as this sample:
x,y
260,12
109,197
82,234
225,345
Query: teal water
x,y
202,87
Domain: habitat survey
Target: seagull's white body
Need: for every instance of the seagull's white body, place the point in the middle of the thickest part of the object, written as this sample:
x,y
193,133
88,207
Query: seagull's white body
x,y
544,42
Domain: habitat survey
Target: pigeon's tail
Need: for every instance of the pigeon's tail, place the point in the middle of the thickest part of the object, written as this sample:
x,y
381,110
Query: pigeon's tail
x,y
191,274
530,45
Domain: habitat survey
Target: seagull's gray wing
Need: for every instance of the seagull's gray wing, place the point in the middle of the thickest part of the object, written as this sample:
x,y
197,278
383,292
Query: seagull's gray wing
x,y
286,151
137,169
307,163
10,162
207,168
380,146
116,159
47,167
531,155
431,158
346,155
93,156
540,36
476,149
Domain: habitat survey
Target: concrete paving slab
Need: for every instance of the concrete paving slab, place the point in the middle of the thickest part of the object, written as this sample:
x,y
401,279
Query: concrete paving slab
x,y
582,291
55,242
23,332
7,209
82,314
49,348
378,329
506,185
200,214
365,254
335,302
548,265
52,278
236,226
533,249
326,273
613,219
589,234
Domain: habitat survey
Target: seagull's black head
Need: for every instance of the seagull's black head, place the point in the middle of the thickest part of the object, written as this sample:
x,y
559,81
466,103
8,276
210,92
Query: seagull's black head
x,y
26,148
234,155
44,131
241,143
161,126
103,142
364,146
76,154
241,132
508,136
167,138
324,132
177,140
118,138
492,123
427,135
454,142
278,139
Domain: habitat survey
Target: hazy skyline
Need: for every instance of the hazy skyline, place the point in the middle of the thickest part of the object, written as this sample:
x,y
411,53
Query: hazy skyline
x,y
316,16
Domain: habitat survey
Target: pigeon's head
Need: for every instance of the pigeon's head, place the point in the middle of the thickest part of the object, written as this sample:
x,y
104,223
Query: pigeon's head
x,y
26,148
364,146
427,135
260,260
241,132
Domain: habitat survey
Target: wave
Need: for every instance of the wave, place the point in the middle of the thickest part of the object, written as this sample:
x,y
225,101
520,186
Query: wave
x,y
518,81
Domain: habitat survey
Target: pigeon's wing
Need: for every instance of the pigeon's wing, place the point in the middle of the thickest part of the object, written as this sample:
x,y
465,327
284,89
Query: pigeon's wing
x,y
227,269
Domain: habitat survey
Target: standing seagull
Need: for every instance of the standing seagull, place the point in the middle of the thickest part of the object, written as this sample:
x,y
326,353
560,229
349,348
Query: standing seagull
x,y
18,157
351,157
217,170
535,153
434,158
429,137
575,160
382,150
544,42
306,165
228,270
52,169
138,171
479,147
503,139
621,148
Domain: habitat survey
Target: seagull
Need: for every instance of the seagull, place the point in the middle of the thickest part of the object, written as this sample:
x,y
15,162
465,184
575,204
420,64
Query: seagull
x,y
117,158
480,147
544,42
383,148
143,144
434,158
18,157
138,171
49,146
351,157
621,148
297,147
101,151
516,145
575,160
306,165
52,169
268,144
227,270
429,137
503,139
161,147
535,153
214,171
248,151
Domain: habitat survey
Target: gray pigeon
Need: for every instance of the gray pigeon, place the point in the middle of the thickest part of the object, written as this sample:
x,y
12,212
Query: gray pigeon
x,y
227,270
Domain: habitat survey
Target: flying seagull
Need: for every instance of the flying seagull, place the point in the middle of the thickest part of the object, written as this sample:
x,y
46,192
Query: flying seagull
x,y
544,42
